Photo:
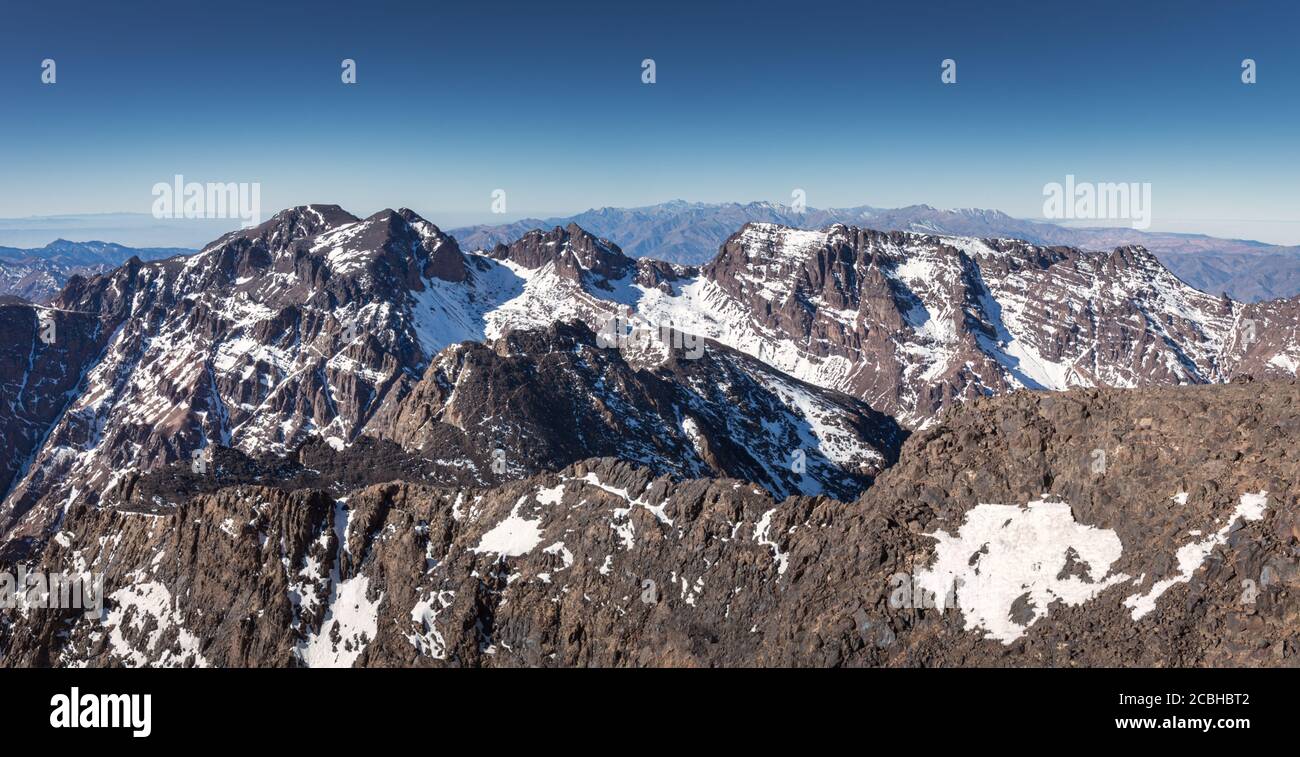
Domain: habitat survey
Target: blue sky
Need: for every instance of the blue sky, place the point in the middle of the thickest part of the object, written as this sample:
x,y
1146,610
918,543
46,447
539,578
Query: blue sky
x,y
752,100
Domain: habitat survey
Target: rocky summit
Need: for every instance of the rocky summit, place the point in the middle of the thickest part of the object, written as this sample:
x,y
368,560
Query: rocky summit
x,y
334,441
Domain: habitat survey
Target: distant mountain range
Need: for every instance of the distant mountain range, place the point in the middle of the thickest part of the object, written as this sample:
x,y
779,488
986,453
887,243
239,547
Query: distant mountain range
x,y
691,232
37,274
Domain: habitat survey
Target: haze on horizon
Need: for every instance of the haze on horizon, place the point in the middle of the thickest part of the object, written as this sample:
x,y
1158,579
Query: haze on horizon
x,y
142,230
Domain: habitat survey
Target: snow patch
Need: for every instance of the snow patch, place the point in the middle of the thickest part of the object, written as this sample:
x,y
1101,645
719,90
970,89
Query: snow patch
x,y
513,536
1009,564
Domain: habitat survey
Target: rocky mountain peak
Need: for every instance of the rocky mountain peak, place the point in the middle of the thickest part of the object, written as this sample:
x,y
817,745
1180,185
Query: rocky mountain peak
x,y
445,260
292,224
573,251
550,396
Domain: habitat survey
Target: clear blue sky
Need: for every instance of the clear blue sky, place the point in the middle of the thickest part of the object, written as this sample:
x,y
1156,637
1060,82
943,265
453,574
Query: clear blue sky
x,y
753,99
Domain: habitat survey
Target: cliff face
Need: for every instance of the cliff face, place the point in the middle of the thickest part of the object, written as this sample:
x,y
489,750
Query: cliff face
x,y
1089,527
544,399
43,356
914,323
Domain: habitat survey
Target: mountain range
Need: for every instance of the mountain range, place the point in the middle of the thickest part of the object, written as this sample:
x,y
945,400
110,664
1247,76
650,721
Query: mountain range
x,y
333,440
37,274
690,233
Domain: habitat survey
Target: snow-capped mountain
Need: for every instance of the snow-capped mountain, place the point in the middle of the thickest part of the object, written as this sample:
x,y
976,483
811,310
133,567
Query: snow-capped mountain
x,y
912,323
691,232
676,231
317,324
321,325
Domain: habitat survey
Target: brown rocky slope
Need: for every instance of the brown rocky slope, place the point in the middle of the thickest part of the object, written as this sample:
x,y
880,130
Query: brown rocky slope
x,y
1163,531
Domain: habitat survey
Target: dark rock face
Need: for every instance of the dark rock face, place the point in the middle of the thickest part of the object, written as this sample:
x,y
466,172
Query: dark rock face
x,y
1266,343
1178,545
39,373
538,401
314,465
445,261
553,397
574,254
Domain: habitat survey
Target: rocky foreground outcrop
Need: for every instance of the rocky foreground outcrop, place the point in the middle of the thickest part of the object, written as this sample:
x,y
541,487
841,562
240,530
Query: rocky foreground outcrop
x,y
1089,527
